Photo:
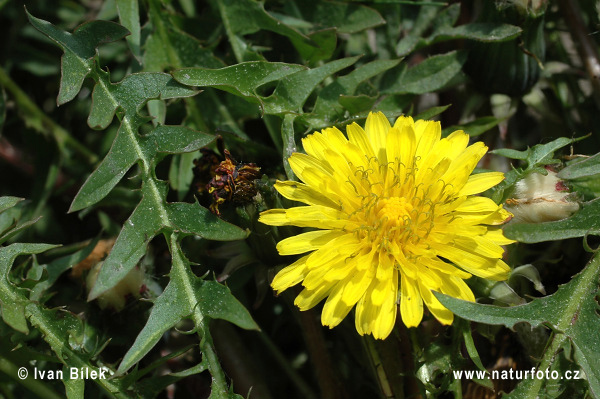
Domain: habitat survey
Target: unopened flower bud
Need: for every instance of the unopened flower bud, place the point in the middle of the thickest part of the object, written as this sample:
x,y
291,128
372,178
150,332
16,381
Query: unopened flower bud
x,y
541,198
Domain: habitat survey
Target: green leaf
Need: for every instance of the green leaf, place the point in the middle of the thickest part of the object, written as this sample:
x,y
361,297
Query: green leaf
x,y
12,298
476,127
181,173
293,90
129,16
479,31
169,48
512,154
127,149
185,296
431,112
325,41
197,220
241,79
79,50
8,202
243,17
357,104
584,168
62,330
430,75
571,312
584,222
345,17
131,94
328,110
59,266
538,155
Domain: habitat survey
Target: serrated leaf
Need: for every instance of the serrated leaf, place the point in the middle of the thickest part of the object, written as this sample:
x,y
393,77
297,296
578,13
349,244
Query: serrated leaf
x,y
131,94
195,219
185,296
12,298
584,222
117,162
79,50
571,310
145,222
293,90
129,16
430,75
127,150
59,328
241,79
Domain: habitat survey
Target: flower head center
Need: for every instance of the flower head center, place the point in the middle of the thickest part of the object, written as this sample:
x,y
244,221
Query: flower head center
x,y
396,210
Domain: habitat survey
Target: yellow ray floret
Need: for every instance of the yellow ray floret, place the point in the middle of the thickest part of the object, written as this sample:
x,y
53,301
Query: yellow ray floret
x,y
395,219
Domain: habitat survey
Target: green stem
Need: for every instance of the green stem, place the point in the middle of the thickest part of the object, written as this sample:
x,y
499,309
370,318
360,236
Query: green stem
x,y
207,347
35,386
42,122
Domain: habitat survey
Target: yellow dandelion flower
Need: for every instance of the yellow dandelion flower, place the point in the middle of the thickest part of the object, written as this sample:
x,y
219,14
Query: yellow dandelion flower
x,y
395,217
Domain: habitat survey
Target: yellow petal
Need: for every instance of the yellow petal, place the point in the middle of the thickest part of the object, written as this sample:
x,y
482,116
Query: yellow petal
x,y
411,303
358,137
300,162
438,310
376,128
457,288
496,235
427,134
290,275
307,241
335,310
301,192
316,216
309,299
494,269
386,316
480,182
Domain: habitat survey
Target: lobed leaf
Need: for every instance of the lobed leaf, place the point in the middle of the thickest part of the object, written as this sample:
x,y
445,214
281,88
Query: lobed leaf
x,y
242,79
185,296
13,299
293,90
79,50
572,310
